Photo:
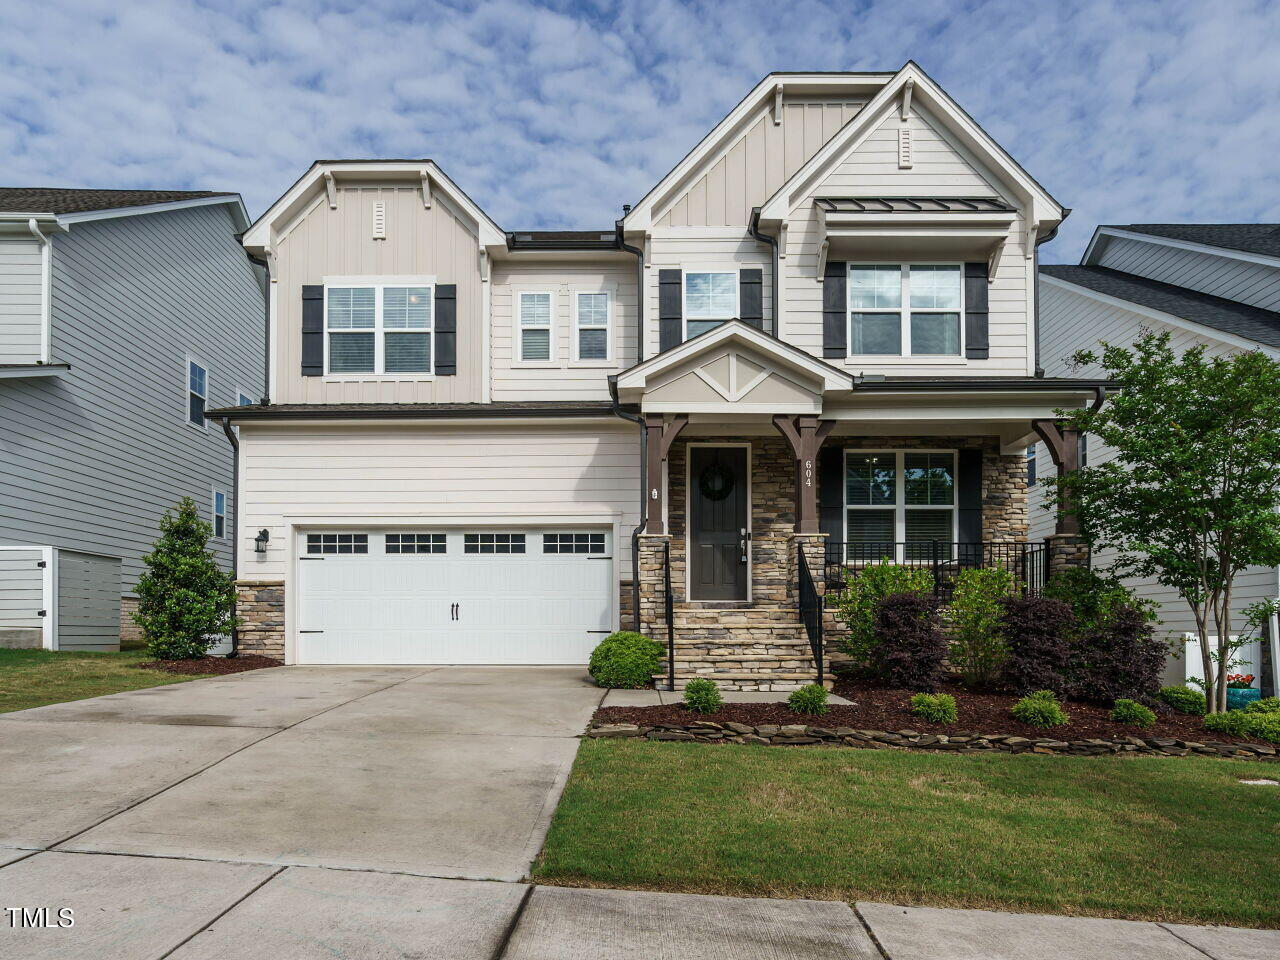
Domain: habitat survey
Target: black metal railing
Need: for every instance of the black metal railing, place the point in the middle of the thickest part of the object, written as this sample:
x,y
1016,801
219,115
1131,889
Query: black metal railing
x,y
1027,562
810,610
669,609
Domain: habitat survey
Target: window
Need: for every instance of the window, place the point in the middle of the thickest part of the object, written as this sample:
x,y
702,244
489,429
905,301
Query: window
x,y
592,315
493,543
573,543
379,329
337,543
244,400
197,393
897,503
416,543
709,300
905,309
1031,465
535,326
219,514
1084,450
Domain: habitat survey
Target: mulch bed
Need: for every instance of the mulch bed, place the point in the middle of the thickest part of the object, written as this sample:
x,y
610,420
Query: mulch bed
x,y
218,665
876,708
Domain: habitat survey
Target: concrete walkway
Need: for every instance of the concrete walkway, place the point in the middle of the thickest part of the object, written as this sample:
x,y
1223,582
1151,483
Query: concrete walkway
x,y
393,812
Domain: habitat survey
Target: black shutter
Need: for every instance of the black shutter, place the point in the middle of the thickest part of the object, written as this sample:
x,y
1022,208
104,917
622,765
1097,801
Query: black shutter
x,y
969,502
835,314
313,330
976,346
751,297
831,495
670,309
445,340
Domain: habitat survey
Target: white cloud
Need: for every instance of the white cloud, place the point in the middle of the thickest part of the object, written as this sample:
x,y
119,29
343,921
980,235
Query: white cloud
x,y
554,114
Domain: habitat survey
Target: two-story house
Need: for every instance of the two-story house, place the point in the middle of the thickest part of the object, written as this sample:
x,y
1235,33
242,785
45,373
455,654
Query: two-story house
x,y
124,314
1216,284
811,344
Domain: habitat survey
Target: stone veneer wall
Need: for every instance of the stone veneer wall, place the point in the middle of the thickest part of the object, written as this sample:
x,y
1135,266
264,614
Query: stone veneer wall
x,y
130,632
260,606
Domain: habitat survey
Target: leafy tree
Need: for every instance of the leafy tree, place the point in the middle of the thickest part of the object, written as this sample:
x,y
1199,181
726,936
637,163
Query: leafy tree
x,y
184,600
1192,497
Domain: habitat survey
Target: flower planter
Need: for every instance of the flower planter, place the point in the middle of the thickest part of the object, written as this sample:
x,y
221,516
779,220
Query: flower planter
x,y
1238,698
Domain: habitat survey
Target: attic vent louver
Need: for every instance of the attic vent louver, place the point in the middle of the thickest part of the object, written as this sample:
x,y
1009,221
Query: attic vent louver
x,y
380,220
904,148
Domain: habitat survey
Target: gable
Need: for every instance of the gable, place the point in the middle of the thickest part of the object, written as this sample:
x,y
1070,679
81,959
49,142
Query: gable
x,y
735,378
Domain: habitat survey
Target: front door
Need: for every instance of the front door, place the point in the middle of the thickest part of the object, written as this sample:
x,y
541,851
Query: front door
x,y
718,537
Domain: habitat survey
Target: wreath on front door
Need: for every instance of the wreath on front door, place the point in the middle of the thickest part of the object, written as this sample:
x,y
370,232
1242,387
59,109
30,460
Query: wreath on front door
x,y
715,482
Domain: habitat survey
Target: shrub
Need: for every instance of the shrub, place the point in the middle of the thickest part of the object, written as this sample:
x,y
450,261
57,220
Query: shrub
x,y
1265,726
625,660
810,699
1265,705
1183,699
910,645
1132,712
1249,723
1038,632
1234,723
973,620
935,707
184,600
856,605
1094,596
702,696
1040,709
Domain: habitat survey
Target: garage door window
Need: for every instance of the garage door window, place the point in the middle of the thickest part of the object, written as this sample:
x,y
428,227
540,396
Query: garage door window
x,y
573,543
493,543
400,543
337,543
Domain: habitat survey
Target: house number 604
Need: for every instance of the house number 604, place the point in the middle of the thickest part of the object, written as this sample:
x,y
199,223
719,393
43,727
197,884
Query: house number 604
x,y
808,473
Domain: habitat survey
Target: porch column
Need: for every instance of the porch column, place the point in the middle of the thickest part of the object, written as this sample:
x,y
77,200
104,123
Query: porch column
x,y
805,434
660,434
1065,548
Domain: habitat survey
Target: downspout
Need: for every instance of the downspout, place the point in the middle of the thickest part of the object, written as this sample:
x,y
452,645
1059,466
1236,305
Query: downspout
x,y
753,227
235,521
644,501
1035,286
639,255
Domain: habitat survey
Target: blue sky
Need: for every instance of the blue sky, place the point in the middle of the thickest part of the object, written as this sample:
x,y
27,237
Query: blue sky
x,y
551,115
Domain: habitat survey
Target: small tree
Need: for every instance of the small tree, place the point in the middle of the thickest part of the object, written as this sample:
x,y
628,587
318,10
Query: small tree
x,y
1192,496
184,600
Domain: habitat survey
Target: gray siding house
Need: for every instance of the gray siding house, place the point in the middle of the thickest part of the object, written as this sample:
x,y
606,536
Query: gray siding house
x,y
123,314
1203,283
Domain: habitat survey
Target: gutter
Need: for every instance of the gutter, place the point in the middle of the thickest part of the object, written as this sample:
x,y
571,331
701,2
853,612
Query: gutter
x,y
322,411
235,522
644,500
639,255
753,228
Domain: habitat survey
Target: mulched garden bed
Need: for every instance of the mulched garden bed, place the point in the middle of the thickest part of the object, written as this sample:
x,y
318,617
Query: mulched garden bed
x,y
217,665
876,708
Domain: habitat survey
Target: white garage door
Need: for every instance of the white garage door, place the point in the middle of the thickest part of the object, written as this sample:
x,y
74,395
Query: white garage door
x,y
465,596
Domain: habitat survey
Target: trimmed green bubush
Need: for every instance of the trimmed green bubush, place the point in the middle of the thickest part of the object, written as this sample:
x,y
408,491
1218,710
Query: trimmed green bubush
x,y
625,661
935,707
1265,705
856,604
1234,723
810,699
1183,699
1040,709
702,696
1132,712
973,619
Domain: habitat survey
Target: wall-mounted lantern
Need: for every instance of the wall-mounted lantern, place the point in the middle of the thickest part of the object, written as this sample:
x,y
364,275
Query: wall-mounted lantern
x,y
260,541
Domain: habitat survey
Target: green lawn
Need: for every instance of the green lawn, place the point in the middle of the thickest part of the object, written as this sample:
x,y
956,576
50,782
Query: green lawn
x,y
32,678
1155,838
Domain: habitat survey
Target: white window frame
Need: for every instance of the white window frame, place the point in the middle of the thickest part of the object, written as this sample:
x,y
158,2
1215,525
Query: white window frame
x,y
904,312
900,506
576,349
519,327
213,514
190,360
242,395
379,330
684,297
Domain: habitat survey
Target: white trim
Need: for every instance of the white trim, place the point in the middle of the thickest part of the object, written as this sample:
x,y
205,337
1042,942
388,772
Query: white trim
x,y
575,349
190,360
379,285
688,512
900,506
239,214
486,321
905,310
214,493
48,591
273,326
552,306
684,296
46,279
1231,253
26,371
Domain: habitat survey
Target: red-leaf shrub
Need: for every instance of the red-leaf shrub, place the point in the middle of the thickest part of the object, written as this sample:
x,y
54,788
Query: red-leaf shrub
x,y
910,646
1038,632
1119,658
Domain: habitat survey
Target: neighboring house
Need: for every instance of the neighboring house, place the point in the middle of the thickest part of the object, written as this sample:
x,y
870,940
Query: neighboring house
x,y
811,344
1216,284
123,315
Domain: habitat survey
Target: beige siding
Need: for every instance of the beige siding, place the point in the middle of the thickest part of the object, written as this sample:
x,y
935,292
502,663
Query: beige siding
x,y
422,473
1221,276
419,242
562,378
21,290
757,163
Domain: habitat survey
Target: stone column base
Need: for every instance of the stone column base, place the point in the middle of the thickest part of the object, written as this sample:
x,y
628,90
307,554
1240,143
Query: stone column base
x,y
260,607
1065,551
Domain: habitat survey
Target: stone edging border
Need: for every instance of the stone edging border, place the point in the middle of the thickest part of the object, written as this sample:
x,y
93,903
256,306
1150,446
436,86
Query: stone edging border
x,y
803,734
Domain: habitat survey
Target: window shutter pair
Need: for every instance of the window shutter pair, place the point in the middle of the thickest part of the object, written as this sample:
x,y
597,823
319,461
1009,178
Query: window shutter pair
x,y
671,304
444,335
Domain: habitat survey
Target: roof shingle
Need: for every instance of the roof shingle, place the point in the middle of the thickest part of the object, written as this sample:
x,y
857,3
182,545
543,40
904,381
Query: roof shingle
x,y
67,200
1260,238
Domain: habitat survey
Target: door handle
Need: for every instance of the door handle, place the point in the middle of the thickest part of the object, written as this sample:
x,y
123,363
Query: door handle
x,y
744,538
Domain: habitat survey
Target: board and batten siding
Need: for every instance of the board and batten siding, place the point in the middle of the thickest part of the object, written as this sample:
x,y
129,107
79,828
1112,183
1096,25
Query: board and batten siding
x,y
346,475
21,301
1256,284
758,162
1072,321
563,378
94,457
324,242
